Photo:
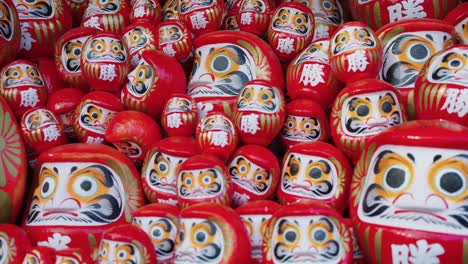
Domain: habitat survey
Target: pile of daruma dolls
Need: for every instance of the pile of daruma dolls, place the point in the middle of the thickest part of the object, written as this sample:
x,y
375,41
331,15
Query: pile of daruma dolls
x,y
248,131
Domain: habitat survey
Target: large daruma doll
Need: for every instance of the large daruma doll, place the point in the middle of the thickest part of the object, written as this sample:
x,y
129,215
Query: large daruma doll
x,y
80,190
409,194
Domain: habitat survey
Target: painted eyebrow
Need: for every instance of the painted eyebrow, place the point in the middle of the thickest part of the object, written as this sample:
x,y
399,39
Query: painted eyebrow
x,y
379,159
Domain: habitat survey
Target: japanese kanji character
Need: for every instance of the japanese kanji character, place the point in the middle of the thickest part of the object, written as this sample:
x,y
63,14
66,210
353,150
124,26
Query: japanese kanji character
x,y
240,198
357,61
321,32
219,138
26,38
419,253
93,22
406,10
51,133
249,124
139,11
169,50
107,72
456,102
29,98
246,18
285,45
312,74
198,20
174,120
95,140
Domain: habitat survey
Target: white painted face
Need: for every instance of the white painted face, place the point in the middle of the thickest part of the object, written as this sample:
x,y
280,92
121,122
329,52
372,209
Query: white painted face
x,y
3,251
306,239
217,123
169,34
39,9
200,241
450,67
105,49
136,39
256,6
220,70
111,251
71,53
352,38
417,188
95,118
200,184
249,176
462,30
160,172
66,260
30,259
369,114
7,27
405,54
259,98
39,118
140,79
316,52
327,12
178,105
292,21
186,6
21,75
102,7
163,233
66,120
129,149
256,226
76,194
309,176
300,128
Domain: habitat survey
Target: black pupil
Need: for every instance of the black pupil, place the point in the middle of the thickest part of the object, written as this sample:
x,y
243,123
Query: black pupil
x,y
220,63
45,187
242,169
362,110
259,177
206,179
315,173
181,236
395,177
343,39
419,52
189,181
455,63
299,20
86,185
162,167
264,96
294,169
327,5
307,126
121,254
77,52
284,17
156,233
319,235
451,182
248,95
290,236
94,115
140,74
290,124
386,107
200,237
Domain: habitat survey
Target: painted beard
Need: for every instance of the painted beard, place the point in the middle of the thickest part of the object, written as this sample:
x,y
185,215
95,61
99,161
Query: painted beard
x,y
6,23
41,10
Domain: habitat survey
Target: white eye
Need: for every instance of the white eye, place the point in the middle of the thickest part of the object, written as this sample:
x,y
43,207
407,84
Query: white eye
x,y
243,169
206,179
188,181
157,233
396,178
104,252
327,5
319,234
419,52
48,186
221,64
201,236
451,182
290,235
455,63
121,255
85,186
163,167
307,125
259,177
290,124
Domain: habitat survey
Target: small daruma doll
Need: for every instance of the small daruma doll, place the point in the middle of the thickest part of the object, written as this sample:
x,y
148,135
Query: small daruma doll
x,y
180,116
160,168
362,110
105,62
315,171
22,86
68,52
255,172
458,17
151,83
93,114
80,190
41,129
108,16
145,10
212,233
132,133
255,216
254,15
217,135
203,178
291,29
14,242
259,113
202,16
305,122
10,32
138,37
307,232
409,194
126,244
355,52
175,39
442,86
161,223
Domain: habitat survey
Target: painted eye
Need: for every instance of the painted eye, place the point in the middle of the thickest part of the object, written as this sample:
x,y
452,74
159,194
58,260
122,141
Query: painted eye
x,y
299,20
362,110
386,107
141,74
85,186
163,167
157,233
104,252
188,181
290,236
121,254
48,187
451,182
290,124
294,169
32,74
396,178
327,5
313,50
307,126
116,48
103,2
181,235
221,64
99,47
343,39
206,179
419,52
284,17
243,169
76,52
319,235
455,63
37,117
315,173
201,237
94,115
15,74
135,37
259,177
